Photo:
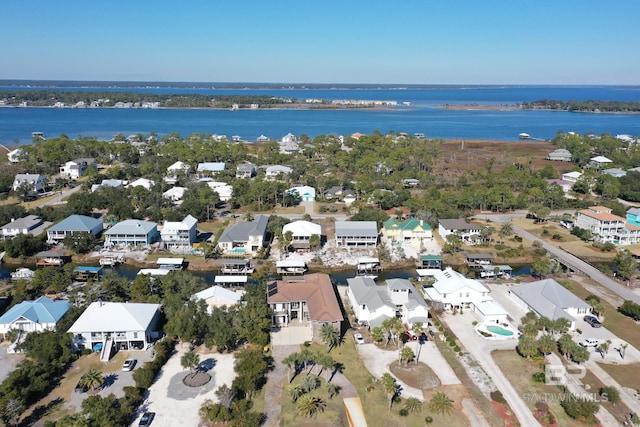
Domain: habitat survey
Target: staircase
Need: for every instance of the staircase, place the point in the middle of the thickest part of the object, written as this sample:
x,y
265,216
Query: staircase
x,y
107,347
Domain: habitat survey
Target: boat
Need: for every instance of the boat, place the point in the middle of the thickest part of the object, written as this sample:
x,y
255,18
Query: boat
x,y
291,267
37,135
23,273
524,136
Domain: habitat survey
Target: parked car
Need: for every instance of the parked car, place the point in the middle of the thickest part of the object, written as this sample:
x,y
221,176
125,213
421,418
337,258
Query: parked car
x,y
593,321
129,364
411,335
358,337
589,342
146,419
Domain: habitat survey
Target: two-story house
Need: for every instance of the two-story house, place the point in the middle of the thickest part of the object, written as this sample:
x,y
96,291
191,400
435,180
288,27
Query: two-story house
x,y
277,171
74,224
123,326
356,233
35,182
74,169
301,232
604,225
244,237
308,301
179,236
469,233
409,232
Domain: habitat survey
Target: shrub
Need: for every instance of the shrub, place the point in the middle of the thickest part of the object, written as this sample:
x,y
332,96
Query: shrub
x,y
474,323
610,393
578,408
497,397
500,246
456,349
556,237
428,419
538,377
403,412
517,238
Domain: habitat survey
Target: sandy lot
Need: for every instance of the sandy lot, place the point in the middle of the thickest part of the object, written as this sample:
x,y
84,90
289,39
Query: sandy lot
x,y
176,404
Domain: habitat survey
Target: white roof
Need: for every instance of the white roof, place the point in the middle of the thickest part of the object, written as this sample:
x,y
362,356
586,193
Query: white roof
x,y
287,263
449,280
490,308
154,272
179,166
115,317
601,159
170,261
231,279
142,182
174,193
173,226
219,292
574,174
302,228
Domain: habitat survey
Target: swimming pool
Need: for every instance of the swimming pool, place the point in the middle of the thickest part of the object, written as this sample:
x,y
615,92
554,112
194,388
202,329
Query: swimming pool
x,y
498,330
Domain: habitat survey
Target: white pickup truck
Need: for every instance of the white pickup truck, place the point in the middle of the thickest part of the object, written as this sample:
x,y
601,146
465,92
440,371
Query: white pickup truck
x,y
589,342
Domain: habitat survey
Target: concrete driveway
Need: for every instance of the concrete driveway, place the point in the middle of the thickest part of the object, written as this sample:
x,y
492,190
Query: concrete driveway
x,y
480,349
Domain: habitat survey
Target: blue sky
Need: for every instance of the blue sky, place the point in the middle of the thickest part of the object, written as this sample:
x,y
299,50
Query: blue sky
x,y
348,41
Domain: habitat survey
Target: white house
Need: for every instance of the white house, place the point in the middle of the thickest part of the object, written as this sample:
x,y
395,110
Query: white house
x,y
30,224
469,233
601,222
245,170
14,156
548,298
34,316
35,181
112,183
74,224
179,236
301,232
218,297
176,169
599,162
244,237
561,155
210,168
224,190
142,182
454,291
356,233
174,194
74,169
126,326
131,232
289,144
306,193
373,304
277,171
572,176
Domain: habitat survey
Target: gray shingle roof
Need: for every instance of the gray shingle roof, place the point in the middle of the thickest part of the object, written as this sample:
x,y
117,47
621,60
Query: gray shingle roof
x,y
356,228
549,298
366,292
240,231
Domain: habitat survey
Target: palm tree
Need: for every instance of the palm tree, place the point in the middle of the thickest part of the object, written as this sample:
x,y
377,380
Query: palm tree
x,y
225,396
292,360
441,404
406,354
92,379
329,335
309,406
295,391
546,344
190,360
413,404
390,387
623,349
332,389
506,230
325,361
309,383
248,217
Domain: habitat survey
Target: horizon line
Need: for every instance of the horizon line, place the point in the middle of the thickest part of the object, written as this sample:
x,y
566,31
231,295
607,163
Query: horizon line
x,y
294,84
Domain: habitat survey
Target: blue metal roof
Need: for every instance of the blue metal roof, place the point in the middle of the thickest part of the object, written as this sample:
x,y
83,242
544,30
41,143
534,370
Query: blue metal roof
x,y
76,223
42,310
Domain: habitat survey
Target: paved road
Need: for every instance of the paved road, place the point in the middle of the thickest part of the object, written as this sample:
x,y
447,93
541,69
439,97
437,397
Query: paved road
x,y
63,195
566,257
